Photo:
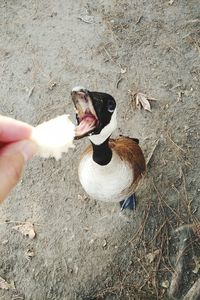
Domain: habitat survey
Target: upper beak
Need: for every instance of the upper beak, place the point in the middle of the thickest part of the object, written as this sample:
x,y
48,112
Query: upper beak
x,y
85,113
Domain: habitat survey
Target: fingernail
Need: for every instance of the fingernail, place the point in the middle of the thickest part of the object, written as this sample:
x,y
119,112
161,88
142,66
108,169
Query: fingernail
x,y
26,147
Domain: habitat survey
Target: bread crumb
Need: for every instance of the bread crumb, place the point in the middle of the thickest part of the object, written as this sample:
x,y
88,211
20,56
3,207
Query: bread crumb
x,y
54,137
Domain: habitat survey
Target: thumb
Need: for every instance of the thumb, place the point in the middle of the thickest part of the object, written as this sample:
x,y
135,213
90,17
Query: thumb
x,y
12,160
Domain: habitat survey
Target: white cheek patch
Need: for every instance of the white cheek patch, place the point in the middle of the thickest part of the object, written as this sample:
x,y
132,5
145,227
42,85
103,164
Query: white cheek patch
x,y
54,137
98,139
78,88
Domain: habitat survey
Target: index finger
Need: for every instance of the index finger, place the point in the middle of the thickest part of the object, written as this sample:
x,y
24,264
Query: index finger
x,y
12,130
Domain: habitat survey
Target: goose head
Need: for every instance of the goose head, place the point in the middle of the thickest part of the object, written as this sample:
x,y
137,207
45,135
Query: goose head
x,y
95,114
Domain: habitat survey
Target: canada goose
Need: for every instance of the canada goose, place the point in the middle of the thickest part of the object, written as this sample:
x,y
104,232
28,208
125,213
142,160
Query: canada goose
x,y
109,169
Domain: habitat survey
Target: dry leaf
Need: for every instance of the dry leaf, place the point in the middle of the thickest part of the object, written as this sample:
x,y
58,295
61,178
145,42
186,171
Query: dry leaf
x,y
29,254
123,70
4,285
51,85
87,19
165,284
142,100
151,256
104,243
82,198
26,229
197,264
5,242
171,2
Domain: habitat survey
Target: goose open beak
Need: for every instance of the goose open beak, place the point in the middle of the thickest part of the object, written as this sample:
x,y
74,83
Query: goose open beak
x,y
85,113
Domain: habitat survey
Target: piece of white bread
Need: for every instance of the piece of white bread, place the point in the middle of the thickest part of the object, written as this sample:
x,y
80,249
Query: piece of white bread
x,y
54,137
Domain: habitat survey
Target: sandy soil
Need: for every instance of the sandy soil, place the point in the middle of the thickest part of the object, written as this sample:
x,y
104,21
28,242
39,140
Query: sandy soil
x,y
83,249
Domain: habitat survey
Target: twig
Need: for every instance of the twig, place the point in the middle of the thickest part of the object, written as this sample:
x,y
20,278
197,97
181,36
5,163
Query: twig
x,y
143,267
139,19
110,57
193,21
31,92
186,226
113,290
141,228
194,292
118,81
161,199
187,202
177,276
177,146
157,267
152,152
159,230
19,222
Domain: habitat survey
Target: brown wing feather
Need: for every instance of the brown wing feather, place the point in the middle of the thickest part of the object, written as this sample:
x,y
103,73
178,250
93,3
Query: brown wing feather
x,y
130,151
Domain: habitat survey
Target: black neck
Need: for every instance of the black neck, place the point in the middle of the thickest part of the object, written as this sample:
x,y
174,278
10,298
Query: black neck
x,y
102,154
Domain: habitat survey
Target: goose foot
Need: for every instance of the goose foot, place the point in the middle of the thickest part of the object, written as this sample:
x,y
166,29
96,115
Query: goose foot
x,y
129,202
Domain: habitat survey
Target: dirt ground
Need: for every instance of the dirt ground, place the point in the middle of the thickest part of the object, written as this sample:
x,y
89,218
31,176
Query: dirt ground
x,y
84,249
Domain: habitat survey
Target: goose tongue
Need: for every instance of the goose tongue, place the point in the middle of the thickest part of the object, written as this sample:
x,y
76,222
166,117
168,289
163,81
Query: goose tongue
x,y
85,126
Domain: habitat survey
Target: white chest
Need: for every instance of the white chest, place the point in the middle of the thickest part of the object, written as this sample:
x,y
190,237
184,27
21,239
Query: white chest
x,y
105,183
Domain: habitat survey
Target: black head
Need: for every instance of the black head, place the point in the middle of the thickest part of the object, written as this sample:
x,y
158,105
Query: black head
x,y
94,111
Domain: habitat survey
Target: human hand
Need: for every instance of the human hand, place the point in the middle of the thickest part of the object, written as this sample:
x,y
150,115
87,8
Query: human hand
x,y
15,150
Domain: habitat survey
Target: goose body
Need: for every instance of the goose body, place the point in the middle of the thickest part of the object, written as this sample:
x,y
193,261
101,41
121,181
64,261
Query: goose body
x,y
106,183
109,169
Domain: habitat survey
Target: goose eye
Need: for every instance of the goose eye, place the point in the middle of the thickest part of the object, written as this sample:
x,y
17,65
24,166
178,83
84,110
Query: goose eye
x,y
111,106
